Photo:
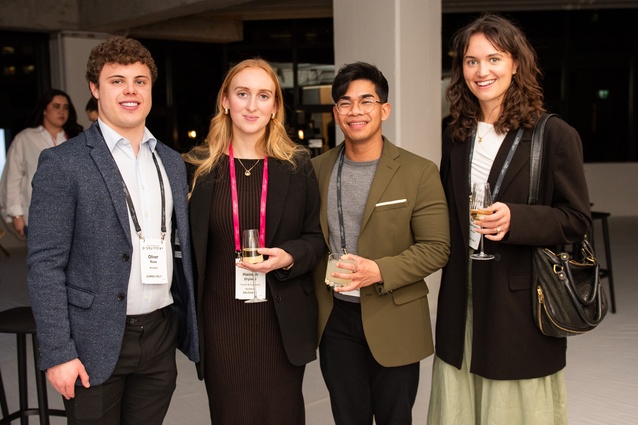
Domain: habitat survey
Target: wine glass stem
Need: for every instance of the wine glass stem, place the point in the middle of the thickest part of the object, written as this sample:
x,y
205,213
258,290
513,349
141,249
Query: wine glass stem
x,y
481,242
254,285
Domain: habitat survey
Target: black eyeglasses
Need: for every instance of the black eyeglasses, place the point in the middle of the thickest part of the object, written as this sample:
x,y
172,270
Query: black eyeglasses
x,y
366,105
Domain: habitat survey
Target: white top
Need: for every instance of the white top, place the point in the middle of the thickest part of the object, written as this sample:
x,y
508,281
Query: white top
x,y
482,159
485,152
141,180
22,161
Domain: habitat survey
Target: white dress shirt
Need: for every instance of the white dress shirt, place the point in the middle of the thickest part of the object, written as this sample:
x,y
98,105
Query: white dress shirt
x,y
140,176
22,161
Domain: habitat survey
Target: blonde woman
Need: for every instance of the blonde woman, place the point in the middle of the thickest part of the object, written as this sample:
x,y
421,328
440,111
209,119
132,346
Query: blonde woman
x,y
248,174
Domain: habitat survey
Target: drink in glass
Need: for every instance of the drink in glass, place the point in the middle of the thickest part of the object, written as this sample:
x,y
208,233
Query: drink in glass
x,y
333,259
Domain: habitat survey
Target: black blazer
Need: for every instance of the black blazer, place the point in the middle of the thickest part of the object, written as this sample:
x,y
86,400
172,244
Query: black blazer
x,y
506,343
292,224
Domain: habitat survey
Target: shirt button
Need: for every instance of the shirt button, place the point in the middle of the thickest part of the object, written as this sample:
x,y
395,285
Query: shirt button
x,y
278,298
125,257
121,296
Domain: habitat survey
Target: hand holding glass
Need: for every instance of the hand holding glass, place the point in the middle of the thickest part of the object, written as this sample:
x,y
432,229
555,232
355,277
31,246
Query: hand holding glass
x,y
336,282
480,201
250,244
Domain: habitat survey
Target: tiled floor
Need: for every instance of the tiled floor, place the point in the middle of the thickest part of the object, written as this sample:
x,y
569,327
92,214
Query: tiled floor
x,y
602,367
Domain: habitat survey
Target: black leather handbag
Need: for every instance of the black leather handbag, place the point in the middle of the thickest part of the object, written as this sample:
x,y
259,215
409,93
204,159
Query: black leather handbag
x,y
567,296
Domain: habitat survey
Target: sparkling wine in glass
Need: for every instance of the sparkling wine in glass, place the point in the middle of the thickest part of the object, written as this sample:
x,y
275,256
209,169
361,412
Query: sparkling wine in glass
x,y
249,246
480,202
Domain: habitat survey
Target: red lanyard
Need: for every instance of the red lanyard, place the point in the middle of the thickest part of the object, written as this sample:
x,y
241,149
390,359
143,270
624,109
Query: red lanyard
x,y
262,207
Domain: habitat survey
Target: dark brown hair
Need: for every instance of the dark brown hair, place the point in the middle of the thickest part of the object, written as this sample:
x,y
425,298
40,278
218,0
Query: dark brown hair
x,y
523,101
71,126
120,50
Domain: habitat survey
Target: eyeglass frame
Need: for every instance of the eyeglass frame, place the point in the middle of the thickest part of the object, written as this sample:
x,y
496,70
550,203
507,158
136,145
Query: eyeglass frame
x,y
370,99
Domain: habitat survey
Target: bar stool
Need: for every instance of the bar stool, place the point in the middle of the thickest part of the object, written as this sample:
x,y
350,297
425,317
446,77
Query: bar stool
x,y
20,321
606,272
3,400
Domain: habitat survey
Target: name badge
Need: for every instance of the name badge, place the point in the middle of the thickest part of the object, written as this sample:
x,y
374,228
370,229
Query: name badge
x,y
153,258
246,282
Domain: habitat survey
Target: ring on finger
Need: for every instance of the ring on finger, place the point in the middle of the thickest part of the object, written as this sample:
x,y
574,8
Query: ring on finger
x,y
498,230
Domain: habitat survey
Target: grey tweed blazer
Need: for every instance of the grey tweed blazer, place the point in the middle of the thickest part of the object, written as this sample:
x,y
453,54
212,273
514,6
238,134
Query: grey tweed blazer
x,y
80,250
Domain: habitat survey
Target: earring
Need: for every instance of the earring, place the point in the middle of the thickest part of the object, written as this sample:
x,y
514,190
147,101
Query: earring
x,y
272,117
226,110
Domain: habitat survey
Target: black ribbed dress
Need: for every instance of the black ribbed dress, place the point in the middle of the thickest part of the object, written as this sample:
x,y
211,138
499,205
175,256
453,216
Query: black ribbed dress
x,y
248,377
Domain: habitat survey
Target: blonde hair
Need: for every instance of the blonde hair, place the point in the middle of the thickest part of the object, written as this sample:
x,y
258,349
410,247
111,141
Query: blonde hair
x,y
275,143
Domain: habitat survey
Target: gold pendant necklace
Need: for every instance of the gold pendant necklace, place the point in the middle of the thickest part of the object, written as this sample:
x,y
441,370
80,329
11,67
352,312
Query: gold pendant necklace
x,y
247,170
480,138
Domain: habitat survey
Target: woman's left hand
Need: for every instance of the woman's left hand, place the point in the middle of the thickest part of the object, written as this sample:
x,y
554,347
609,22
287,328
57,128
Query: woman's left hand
x,y
277,259
495,226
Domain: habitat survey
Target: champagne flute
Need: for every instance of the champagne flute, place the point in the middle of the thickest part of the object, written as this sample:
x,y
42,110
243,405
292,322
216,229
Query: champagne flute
x,y
249,254
480,201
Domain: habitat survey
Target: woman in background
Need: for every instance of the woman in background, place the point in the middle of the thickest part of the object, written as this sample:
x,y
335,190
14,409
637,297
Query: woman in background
x,y
492,365
53,121
249,175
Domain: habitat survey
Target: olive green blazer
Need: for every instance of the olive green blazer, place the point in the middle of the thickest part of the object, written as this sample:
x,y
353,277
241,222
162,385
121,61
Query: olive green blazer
x,y
408,239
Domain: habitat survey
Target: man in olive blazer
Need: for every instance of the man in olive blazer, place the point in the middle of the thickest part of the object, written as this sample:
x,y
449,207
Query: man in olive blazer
x,y
393,214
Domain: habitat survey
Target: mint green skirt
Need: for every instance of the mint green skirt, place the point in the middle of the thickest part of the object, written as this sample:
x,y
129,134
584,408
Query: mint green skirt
x,y
459,397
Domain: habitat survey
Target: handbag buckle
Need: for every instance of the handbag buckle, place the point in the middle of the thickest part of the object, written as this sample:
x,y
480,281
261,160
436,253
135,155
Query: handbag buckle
x,y
558,269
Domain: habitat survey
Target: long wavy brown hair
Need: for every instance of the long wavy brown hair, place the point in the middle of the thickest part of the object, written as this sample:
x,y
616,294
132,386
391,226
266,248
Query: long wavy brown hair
x,y
275,143
523,102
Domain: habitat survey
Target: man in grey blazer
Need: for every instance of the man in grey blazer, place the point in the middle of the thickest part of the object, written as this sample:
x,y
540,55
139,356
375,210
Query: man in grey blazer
x,y
386,208
110,273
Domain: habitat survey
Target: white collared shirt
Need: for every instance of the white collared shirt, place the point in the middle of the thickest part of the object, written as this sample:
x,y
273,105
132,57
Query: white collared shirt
x,y
22,161
140,177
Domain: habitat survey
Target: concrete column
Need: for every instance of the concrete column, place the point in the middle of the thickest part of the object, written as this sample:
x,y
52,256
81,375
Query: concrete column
x,y
403,39
69,52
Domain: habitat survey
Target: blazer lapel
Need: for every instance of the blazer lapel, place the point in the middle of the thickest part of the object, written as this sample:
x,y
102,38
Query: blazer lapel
x,y
519,160
386,169
171,170
200,203
324,172
459,174
111,174
278,177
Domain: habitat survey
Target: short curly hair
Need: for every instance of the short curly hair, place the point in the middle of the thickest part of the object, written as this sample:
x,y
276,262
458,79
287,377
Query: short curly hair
x,y
120,50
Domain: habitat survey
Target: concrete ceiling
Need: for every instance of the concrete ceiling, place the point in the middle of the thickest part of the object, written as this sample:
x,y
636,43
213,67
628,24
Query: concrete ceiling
x,y
218,21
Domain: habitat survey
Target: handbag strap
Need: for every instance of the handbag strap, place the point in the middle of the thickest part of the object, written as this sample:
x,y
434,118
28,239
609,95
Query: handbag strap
x,y
536,157
579,299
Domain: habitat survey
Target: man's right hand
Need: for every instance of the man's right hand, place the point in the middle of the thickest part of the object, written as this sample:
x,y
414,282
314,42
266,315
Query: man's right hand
x,y
63,377
18,225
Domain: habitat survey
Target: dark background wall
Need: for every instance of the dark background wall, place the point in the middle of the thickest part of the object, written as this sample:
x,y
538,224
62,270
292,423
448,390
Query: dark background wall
x,y
589,59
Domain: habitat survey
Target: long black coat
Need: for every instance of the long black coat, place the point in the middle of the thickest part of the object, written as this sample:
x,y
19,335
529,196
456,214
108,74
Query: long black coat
x,y
506,343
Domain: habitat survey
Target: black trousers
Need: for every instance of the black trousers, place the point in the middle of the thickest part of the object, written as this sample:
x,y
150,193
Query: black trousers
x,y
140,389
360,388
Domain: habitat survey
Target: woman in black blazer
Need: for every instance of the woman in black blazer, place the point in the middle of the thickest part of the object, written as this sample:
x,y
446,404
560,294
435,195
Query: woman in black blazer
x,y
250,175
492,364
